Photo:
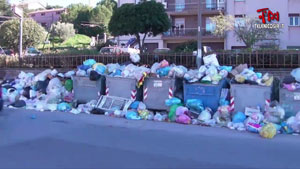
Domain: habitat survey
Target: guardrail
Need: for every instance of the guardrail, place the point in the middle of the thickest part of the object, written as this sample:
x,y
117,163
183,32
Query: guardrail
x,y
257,59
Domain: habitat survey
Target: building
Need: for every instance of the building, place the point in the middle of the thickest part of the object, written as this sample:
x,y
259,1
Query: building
x,y
47,17
289,12
31,4
184,20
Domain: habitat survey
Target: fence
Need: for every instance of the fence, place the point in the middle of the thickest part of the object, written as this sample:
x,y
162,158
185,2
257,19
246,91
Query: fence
x,y
257,59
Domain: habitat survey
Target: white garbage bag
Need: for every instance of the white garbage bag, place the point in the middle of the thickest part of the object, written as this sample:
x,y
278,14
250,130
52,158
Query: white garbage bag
x,y
211,60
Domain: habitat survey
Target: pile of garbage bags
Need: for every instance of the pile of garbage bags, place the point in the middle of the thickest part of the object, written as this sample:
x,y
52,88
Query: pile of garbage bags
x,y
51,90
244,75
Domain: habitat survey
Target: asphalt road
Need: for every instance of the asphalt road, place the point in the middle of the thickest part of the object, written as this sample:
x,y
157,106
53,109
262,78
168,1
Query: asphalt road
x,y
64,140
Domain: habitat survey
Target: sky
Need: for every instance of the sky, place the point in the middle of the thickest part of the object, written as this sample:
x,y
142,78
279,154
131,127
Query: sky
x,y
63,3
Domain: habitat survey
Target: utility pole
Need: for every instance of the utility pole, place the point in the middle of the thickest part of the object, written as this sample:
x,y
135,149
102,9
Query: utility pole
x,y
199,53
21,39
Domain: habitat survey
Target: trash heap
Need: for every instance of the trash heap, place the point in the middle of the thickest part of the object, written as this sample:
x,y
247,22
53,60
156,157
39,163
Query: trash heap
x,y
293,84
52,91
244,75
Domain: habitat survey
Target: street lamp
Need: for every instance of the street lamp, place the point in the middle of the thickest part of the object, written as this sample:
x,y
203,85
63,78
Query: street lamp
x,y
199,53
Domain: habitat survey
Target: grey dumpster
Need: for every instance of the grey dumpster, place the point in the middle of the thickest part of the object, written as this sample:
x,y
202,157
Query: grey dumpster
x,y
246,95
289,100
123,87
158,90
86,90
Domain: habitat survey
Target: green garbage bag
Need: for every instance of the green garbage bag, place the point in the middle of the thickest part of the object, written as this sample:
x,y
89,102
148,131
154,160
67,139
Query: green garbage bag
x,y
172,113
69,85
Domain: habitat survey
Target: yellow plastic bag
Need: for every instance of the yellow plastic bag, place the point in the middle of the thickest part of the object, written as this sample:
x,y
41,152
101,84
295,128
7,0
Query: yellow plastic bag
x,y
268,131
97,64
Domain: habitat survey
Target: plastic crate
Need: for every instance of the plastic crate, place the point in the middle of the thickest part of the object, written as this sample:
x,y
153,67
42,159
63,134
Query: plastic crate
x,y
246,95
158,90
86,90
123,87
208,93
289,100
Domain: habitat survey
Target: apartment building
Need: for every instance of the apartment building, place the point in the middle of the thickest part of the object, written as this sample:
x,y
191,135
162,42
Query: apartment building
x,y
289,12
184,20
47,17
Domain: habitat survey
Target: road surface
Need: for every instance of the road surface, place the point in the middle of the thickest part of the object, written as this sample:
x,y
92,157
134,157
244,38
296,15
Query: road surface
x,y
64,140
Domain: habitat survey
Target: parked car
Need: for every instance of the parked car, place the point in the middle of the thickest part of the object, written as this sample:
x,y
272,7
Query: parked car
x,y
9,52
31,51
161,50
111,50
118,50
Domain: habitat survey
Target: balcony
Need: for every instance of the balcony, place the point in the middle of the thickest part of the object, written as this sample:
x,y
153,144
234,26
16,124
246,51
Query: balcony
x,y
189,34
192,8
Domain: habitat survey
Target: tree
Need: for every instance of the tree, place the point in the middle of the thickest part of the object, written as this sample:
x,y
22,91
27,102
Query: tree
x,y
110,4
53,6
140,20
33,33
62,31
246,31
5,8
72,12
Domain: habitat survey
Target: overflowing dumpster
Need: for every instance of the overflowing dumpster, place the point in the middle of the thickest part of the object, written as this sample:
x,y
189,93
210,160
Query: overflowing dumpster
x,y
86,90
158,90
246,95
123,87
289,98
208,93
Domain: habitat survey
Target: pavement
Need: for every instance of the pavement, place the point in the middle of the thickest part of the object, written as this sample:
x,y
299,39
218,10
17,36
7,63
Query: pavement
x,y
30,139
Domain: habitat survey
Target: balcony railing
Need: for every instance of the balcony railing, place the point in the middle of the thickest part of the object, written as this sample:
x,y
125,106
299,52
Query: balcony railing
x,y
181,32
188,32
193,6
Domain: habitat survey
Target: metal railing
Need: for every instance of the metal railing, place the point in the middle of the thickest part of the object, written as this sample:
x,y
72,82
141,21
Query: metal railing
x,y
257,59
193,6
187,32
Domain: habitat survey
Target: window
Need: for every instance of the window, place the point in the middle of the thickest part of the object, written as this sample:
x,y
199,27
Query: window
x,y
239,20
210,26
58,13
294,19
293,47
42,14
32,15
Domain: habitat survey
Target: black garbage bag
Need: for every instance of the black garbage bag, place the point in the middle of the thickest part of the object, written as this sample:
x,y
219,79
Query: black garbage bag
x,y
26,92
94,76
42,86
98,111
19,103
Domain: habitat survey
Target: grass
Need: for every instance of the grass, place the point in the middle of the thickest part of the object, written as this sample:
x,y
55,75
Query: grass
x,y
78,41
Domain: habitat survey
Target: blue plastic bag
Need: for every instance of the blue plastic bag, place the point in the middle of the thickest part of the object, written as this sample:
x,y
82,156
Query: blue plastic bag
x,y
101,69
64,107
172,101
223,102
135,105
89,62
239,117
163,71
84,67
227,68
259,75
131,115
117,72
195,104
